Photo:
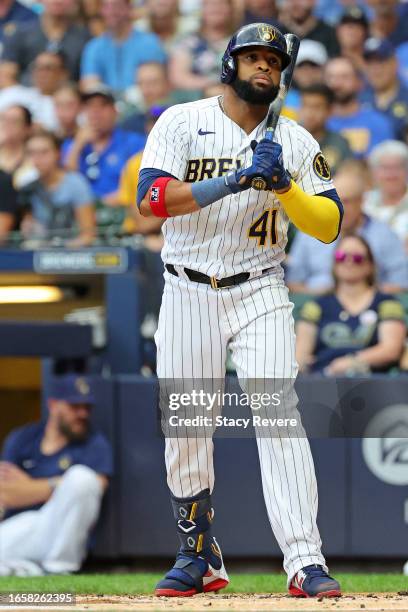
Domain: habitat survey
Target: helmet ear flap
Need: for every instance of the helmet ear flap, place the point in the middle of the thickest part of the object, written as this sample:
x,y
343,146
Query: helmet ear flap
x,y
229,69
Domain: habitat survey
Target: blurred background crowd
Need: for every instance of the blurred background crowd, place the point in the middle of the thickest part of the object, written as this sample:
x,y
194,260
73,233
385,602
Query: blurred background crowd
x,y
83,81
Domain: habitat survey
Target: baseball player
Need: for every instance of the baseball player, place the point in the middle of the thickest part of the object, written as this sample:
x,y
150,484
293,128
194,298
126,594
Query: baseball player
x,y
224,286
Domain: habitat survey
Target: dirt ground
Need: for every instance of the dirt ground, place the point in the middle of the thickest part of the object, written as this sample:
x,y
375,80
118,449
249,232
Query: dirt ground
x,y
378,602
381,602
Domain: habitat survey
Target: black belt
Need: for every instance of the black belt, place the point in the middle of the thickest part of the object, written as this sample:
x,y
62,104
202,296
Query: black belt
x,y
199,277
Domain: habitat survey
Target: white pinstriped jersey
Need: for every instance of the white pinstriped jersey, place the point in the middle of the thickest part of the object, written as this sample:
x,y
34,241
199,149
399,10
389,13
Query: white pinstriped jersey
x,y
243,232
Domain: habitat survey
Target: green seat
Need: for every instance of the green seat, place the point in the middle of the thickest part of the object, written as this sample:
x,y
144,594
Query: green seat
x,y
109,219
298,300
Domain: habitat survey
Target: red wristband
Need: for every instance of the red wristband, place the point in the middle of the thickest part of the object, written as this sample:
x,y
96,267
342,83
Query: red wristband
x,y
157,196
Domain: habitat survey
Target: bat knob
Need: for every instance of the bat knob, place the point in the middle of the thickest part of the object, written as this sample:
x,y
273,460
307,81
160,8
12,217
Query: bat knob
x,y
258,183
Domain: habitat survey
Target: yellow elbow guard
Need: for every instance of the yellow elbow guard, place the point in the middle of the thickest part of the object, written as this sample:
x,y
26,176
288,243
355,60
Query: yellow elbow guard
x,y
315,215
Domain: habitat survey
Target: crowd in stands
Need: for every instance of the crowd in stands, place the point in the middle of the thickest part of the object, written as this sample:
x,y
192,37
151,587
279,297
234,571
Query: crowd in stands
x,y
83,81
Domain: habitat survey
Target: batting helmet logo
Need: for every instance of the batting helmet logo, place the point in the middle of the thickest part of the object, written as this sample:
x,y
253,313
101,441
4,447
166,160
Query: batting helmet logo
x,y
267,32
253,35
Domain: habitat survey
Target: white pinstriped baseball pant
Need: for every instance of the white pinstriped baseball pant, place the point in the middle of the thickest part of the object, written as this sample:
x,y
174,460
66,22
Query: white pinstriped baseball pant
x,y
254,319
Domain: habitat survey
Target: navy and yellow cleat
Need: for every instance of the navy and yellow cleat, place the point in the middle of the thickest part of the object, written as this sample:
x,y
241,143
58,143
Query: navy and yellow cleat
x,y
313,581
192,574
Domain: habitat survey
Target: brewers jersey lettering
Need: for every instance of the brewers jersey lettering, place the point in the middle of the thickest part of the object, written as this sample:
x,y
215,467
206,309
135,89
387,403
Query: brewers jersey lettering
x,y
247,231
244,232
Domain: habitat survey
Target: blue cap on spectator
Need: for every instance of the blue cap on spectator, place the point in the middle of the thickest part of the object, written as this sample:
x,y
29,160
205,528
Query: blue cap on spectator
x,y
73,389
378,48
354,14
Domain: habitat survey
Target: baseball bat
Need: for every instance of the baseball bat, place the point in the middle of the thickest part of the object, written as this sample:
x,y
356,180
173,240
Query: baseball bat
x,y
292,45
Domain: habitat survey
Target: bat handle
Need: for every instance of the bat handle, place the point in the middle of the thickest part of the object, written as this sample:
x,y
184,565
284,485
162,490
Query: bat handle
x,y
258,182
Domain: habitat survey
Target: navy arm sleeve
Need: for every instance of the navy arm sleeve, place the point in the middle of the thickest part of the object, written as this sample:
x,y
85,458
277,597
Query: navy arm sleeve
x,y
333,195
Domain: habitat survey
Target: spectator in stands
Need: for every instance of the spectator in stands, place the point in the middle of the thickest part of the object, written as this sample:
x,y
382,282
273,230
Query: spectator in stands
x,y
54,31
311,59
90,16
332,10
151,271
298,17
59,204
352,31
317,103
195,62
12,14
388,201
113,57
53,475
100,150
163,18
386,92
264,11
15,128
11,90
389,21
402,57
154,90
48,73
363,128
8,206
309,263
357,329
135,223
68,108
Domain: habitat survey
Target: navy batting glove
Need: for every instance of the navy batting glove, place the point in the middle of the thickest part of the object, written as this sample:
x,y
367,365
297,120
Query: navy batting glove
x,y
268,157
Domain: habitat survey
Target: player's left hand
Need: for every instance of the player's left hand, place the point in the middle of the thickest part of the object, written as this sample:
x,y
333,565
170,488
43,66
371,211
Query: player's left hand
x,y
272,151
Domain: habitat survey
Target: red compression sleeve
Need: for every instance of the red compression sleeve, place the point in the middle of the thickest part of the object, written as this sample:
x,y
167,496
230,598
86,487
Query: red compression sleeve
x,y
157,196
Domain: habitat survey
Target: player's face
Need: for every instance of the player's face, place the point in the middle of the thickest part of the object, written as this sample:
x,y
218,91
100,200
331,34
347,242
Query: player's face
x,y
352,263
258,76
314,112
73,420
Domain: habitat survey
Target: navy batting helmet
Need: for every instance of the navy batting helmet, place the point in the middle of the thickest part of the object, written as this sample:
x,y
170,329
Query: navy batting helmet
x,y
253,35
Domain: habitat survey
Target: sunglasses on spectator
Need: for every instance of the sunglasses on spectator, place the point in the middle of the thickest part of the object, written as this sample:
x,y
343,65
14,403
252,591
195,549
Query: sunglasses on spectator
x,y
357,258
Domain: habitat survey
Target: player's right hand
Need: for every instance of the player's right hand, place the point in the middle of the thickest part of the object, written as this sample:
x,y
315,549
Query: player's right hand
x,y
265,163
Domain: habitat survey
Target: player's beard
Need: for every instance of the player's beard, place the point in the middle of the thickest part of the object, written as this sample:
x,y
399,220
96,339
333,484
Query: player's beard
x,y
254,95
